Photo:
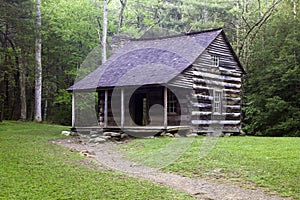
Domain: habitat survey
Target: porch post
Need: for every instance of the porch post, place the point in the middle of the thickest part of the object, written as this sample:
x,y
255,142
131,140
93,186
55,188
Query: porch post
x,y
165,107
122,108
73,109
105,108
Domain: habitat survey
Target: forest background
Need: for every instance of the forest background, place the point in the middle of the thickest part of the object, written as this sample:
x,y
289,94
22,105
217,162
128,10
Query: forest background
x,y
265,35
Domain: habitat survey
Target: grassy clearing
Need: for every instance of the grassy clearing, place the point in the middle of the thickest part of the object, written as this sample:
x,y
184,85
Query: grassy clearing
x,y
33,168
272,163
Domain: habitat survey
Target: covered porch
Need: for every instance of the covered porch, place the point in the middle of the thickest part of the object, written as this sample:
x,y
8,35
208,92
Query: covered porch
x,y
149,108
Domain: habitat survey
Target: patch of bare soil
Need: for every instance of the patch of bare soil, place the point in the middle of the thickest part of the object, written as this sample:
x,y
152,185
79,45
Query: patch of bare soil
x,y
108,155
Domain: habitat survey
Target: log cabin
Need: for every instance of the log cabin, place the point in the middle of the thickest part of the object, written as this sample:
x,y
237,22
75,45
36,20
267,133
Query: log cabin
x,y
187,81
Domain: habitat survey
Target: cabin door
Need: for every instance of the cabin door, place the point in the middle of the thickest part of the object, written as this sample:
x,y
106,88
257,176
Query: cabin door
x,y
139,108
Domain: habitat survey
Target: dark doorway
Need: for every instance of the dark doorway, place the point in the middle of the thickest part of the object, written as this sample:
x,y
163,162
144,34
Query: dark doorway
x,y
138,108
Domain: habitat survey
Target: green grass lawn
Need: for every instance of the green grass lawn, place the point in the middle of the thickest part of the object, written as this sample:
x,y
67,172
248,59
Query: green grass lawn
x,y
272,163
33,168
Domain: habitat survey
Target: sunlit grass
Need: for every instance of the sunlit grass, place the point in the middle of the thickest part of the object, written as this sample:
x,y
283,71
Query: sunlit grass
x,y
160,153
33,168
272,163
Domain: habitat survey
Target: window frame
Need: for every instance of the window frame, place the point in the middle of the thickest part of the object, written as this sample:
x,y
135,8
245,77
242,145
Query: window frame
x,y
172,103
217,102
215,60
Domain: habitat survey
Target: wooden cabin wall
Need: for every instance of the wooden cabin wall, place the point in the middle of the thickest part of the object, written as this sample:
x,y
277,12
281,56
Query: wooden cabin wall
x,y
202,79
183,116
183,80
226,78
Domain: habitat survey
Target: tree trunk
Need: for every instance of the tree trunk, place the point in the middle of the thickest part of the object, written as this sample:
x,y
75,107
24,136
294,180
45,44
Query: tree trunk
x,y
205,15
32,103
259,9
104,31
23,88
2,95
295,9
237,31
123,5
38,70
294,27
46,109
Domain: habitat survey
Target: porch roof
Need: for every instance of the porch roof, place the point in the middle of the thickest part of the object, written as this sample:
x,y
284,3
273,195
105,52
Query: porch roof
x,y
149,61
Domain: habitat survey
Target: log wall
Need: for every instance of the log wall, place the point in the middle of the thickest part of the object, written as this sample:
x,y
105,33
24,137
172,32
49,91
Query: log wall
x,y
202,78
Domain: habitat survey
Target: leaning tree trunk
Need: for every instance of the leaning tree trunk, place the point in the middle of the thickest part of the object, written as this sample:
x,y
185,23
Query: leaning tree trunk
x,y
38,70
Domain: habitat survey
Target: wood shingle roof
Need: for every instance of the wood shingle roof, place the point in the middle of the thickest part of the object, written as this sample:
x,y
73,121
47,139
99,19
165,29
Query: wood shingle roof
x,y
150,61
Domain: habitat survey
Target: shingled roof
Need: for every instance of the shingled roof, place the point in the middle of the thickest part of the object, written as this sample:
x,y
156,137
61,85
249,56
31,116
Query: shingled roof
x,y
149,61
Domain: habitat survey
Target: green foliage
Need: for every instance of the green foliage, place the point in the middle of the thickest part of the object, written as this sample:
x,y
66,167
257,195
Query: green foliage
x,y
268,48
33,168
268,162
69,34
16,36
272,88
63,97
62,108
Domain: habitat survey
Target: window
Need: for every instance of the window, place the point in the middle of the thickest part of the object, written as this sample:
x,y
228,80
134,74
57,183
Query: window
x,y
217,102
215,60
172,103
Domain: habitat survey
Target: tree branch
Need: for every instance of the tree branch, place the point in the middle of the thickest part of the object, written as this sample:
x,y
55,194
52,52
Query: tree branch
x,y
259,23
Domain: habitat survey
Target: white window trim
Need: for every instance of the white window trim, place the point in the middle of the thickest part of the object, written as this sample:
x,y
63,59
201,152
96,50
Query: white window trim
x,y
215,60
217,102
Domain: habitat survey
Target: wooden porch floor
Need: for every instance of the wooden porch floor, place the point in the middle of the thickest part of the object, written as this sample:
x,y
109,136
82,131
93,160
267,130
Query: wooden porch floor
x,y
135,129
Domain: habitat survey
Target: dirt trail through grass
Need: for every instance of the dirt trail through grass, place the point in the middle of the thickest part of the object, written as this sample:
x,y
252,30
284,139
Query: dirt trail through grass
x,y
107,154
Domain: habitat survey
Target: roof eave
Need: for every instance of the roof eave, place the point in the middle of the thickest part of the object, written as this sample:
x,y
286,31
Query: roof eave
x,y
233,53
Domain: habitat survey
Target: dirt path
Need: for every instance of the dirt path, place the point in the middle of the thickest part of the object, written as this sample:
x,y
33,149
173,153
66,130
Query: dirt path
x,y
107,154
